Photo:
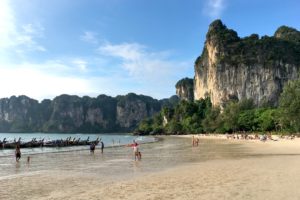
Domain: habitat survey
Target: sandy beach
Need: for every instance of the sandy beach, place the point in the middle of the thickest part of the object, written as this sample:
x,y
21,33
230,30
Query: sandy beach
x,y
234,170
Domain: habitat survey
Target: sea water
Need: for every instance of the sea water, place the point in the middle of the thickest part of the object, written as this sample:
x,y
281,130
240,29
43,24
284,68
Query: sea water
x,y
117,162
109,140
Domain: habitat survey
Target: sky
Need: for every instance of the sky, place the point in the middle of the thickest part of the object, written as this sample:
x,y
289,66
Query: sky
x,y
114,47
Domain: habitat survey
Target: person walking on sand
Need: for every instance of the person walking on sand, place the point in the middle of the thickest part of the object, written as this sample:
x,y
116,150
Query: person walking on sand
x,y
102,146
18,153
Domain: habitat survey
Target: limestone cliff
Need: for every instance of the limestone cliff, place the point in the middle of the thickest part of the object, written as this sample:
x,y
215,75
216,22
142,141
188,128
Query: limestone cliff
x,y
231,67
70,113
19,113
132,108
185,89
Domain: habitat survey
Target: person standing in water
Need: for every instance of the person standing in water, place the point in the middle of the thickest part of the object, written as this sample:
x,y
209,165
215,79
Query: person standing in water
x,y
102,146
18,153
197,141
135,147
193,141
92,148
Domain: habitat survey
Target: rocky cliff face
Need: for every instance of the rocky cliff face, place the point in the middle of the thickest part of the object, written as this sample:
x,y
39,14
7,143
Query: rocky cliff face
x,y
18,113
68,113
236,68
185,89
132,108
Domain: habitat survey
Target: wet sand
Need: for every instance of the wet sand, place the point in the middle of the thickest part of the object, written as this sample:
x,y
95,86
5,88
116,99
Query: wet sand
x,y
171,169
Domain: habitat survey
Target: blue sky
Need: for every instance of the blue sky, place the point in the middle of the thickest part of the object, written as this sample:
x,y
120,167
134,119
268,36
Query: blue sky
x,y
92,47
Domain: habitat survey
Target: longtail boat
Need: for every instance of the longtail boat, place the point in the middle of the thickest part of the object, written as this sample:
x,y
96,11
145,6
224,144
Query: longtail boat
x,y
41,143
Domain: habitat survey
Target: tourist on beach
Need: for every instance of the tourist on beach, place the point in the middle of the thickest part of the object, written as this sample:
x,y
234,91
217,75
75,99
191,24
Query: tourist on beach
x,y
92,147
18,153
193,141
197,141
135,147
102,146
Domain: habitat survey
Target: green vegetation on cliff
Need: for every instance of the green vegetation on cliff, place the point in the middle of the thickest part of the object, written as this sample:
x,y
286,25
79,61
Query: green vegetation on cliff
x,y
230,71
284,46
185,89
290,106
201,117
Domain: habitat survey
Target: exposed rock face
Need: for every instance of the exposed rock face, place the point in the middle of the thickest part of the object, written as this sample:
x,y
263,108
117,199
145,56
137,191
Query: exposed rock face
x,y
18,113
132,108
236,68
67,113
185,89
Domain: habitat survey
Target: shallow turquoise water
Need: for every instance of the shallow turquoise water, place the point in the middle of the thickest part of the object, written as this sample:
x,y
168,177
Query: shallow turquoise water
x,y
118,162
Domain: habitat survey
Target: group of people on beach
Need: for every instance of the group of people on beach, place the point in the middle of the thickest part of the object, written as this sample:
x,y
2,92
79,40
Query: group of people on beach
x,y
93,147
134,145
263,137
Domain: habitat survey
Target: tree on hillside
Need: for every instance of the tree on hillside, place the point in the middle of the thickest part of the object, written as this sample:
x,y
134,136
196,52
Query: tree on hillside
x,y
212,121
289,105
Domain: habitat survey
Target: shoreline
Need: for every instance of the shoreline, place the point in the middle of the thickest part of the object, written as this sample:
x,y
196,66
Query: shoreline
x,y
269,139
268,170
277,146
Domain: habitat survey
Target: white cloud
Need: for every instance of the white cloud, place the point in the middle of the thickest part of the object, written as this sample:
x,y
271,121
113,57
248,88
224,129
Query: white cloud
x,y
80,64
7,24
52,78
139,62
27,42
15,37
150,73
126,51
90,37
41,80
214,8
34,29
